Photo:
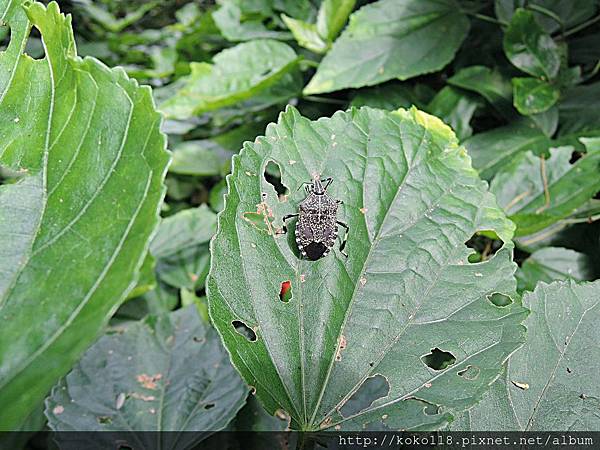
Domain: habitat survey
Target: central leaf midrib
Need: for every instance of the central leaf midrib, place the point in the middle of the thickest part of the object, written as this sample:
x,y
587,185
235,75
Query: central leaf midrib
x,y
403,330
375,243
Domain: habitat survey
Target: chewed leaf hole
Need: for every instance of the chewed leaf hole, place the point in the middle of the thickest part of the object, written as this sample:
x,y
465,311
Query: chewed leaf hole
x,y
4,36
500,300
372,389
244,330
209,406
273,177
438,359
34,47
429,409
484,247
469,373
285,293
104,420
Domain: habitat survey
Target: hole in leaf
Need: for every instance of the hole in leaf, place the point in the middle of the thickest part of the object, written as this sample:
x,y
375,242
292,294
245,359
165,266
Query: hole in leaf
x,y
438,359
34,47
273,177
499,300
209,406
469,373
244,330
575,156
285,293
104,420
4,36
484,246
372,389
429,409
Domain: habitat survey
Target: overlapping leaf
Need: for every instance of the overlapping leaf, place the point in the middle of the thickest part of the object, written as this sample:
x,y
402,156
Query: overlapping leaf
x,y
553,263
536,193
238,74
406,290
166,373
549,383
392,39
74,230
494,149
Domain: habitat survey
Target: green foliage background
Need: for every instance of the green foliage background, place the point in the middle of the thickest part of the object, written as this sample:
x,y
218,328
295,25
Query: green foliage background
x,y
517,85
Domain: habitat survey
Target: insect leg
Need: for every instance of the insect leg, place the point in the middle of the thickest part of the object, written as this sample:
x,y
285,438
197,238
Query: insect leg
x,y
287,217
327,182
345,240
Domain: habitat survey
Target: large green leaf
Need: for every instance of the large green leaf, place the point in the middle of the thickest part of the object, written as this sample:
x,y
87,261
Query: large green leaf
x,y
536,193
166,373
406,290
530,48
392,39
74,230
494,149
550,383
238,73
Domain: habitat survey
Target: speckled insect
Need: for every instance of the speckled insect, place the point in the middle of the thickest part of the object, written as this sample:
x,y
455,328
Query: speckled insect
x,y
317,226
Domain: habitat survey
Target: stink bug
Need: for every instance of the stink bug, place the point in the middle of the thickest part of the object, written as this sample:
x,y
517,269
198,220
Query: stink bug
x,y
317,226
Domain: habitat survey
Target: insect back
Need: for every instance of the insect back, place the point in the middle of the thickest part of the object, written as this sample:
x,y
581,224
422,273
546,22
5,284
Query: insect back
x,y
317,226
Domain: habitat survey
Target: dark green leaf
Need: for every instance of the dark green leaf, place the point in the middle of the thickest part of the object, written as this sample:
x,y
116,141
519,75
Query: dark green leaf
x,y
580,109
551,264
456,108
390,96
74,230
488,83
534,96
536,193
571,12
181,247
530,48
496,148
392,39
238,73
167,373
548,385
411,200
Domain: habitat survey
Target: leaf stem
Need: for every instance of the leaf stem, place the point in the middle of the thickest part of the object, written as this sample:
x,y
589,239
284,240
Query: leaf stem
x,y
486,18
545,181
581,26
582,219
331,101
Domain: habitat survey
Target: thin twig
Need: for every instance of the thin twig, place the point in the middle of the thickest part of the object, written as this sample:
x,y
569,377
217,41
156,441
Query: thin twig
x,y
589,219
581,26
545,181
